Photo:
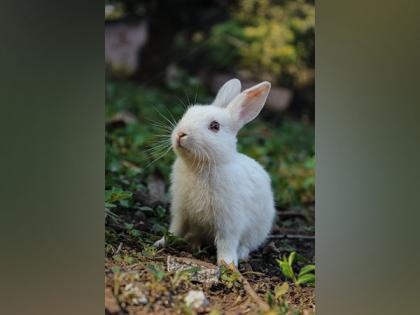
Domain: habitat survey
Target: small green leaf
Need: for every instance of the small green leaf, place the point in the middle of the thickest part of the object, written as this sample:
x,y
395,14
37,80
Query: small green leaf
x,y
146,209
124,203
228,276
128,226
192,270
292,258
160,211
116,269
301,258
135,233
149,251
109,205
116,194
129,260
281,290
306,278
306,269
270,299
157,273
286,269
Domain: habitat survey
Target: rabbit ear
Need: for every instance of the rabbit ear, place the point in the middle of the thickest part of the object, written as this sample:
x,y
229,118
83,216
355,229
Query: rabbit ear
x,y
247,105
227,93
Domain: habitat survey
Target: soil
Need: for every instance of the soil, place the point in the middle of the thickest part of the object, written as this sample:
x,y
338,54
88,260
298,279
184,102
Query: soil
x,y
132,286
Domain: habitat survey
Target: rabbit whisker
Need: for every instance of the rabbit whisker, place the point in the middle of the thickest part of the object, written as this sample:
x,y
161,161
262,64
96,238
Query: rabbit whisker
x,y
196,93
172,116
165,136
158,147
164,117
157,122
188,99
161,125
182,102
157,159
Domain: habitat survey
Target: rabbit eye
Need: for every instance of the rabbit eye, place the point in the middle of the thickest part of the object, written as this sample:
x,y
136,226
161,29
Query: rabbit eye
x,y
214,126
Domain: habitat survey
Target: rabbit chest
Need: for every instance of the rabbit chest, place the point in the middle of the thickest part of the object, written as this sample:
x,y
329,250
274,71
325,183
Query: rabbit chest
x,y
204,198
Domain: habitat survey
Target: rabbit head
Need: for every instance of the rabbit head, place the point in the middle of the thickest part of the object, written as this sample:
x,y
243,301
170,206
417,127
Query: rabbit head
x,y
207,133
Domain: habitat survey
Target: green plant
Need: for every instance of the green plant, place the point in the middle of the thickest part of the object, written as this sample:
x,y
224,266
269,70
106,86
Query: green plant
x,y
229,277
156,271
306,274
116,195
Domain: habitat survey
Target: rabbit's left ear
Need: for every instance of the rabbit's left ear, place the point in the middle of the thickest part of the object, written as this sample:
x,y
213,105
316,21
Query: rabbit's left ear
x,y
247,105
227,93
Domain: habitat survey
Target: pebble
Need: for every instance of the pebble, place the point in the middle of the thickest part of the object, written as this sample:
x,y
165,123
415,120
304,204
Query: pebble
x,y
196,299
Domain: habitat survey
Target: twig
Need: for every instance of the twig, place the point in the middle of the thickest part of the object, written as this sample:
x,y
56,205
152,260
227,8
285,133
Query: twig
x,y
253,273
193,261
248,288
288,214
119,248
293,236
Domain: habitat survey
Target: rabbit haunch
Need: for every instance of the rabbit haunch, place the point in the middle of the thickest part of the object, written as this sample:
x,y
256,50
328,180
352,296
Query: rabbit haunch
x,y
220,196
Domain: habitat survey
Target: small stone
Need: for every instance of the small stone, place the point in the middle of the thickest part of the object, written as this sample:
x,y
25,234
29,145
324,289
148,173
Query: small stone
x,y
124,117
207,273
133,294
196,299
156,187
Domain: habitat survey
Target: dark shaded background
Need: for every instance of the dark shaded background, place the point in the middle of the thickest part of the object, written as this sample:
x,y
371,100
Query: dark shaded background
x,y
205,38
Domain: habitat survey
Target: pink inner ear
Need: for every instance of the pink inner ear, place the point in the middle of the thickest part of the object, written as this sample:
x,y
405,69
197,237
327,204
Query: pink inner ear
x,y
249,104
255,93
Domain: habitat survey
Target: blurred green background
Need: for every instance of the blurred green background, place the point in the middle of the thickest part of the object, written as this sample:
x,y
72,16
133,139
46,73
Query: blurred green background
x,y
161,55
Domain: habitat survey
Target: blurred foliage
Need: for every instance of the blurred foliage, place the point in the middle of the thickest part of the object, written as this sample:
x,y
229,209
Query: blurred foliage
x,y
114,10
266,40
259,39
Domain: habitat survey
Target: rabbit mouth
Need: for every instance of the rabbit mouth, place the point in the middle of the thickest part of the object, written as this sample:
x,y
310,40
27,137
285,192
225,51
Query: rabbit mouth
x,y
179,146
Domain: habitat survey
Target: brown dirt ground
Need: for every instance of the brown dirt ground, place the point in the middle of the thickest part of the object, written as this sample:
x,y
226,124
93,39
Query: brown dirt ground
x,y
129,265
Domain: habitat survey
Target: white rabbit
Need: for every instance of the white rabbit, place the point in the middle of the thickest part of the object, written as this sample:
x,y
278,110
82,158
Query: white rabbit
x,y
220,196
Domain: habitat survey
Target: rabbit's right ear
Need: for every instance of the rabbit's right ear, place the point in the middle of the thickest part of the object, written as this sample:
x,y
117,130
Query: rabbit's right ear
x,y
227,93
247,105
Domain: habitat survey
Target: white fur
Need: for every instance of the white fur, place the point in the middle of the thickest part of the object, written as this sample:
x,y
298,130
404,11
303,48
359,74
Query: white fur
x,y
220,196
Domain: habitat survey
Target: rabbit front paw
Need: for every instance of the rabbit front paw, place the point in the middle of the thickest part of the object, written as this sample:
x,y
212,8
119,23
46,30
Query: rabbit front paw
x,y
160,243
227,252
227,261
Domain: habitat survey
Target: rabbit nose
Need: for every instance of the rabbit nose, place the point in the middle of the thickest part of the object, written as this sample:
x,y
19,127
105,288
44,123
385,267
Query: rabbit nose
x,y
181,134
